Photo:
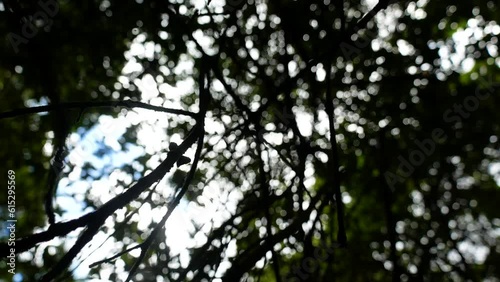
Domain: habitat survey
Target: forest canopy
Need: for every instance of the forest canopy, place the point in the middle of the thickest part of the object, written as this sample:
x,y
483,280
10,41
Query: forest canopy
x,y
212,140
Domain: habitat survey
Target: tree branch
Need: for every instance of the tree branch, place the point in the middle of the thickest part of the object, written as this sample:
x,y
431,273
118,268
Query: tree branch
x,y
63,228
204,101
101,104
66,260
248,258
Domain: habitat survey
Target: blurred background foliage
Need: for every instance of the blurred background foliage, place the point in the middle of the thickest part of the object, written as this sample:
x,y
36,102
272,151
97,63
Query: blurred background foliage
x,y
263,177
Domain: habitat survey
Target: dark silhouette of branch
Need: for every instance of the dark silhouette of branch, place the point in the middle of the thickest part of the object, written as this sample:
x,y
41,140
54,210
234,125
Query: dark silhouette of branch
x,y
265,197
63,228
132,193
57,166
101,104
333,160
204,101
66,260
110,259
387,195
347,34
248,258
145,246
199,255
128,216
211,62
381,5
55,230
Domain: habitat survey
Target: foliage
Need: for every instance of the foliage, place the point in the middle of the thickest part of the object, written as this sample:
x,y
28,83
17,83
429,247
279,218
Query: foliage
x,y
411,93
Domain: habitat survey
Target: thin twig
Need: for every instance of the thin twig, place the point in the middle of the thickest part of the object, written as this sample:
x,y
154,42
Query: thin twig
x,y
110,259
101,104
204,101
